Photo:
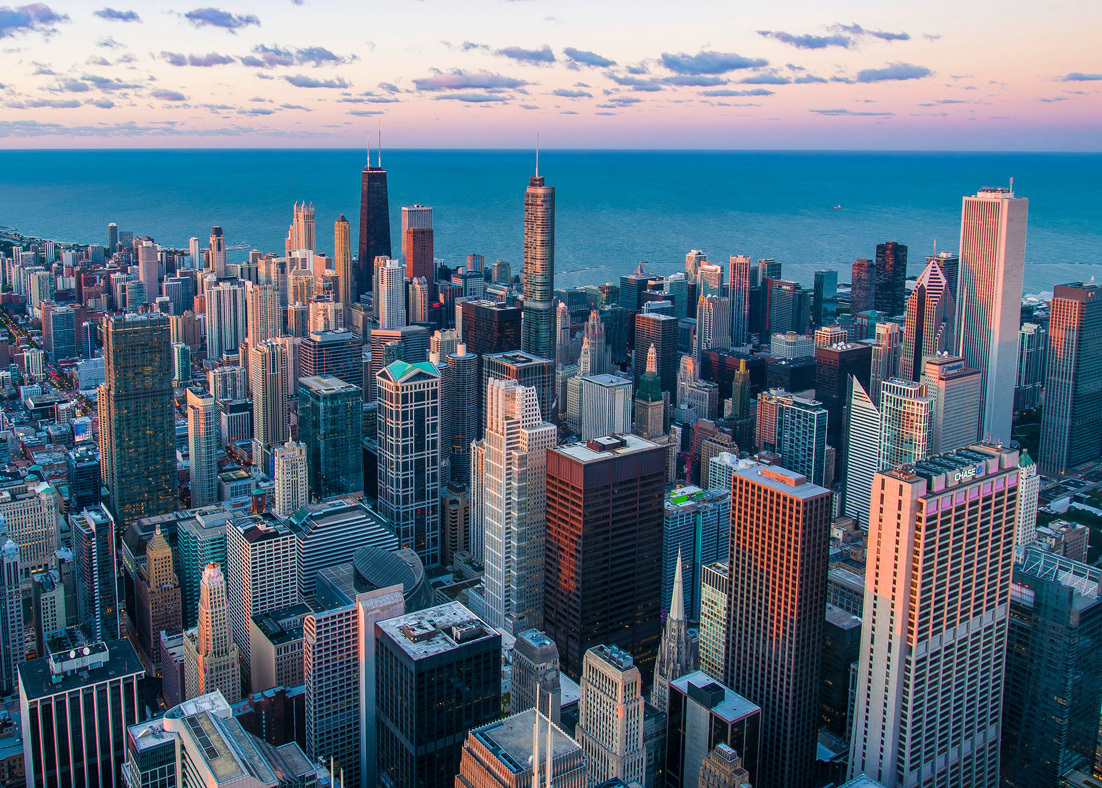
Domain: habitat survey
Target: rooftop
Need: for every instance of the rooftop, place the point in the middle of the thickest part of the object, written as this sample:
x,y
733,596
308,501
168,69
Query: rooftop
x,y
68,671
605,447
781,480
283,625
436,630
724,702
842,619
510,740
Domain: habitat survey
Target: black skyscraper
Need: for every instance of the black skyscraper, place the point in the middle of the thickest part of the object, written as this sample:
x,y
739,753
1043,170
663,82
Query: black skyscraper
x,y
374,224
891,277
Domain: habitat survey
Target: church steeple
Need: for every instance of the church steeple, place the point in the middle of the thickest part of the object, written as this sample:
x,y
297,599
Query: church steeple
x,y
677,654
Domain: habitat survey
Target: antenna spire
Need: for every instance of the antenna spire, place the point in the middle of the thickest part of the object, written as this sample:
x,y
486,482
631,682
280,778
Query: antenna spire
x,y
380,147
369,150
538,155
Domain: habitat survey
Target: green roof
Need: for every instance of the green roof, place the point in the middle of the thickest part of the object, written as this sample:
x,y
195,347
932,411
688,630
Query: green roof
x,y
400,369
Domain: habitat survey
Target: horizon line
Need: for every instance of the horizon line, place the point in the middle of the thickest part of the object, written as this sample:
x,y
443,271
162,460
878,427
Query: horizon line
x,y
528,150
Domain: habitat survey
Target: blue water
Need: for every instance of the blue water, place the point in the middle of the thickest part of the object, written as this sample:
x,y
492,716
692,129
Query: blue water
x,y
614,209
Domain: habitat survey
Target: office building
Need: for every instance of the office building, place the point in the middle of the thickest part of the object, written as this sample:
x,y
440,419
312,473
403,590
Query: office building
x,y
330,424
824,297
508,500
906,423
833,368
291,488
677,652
302,234
792,345
695,527
336,353
599,358
31,521
661,332
200,540
606,406
488,326
705,715
211,660
157,594
181,364
75,707
891,276
264,313
713,323
525,369
417,243
603,574
1032,349
269,392
1053,684
886,353
440,658
1029,488
862,286
610,716
342,254
409,455
519,751
538,336
1071,421
460,425
740,266
226,319
374,223
275,647
777,568
331,643
409,344
930,682
59,331
714,585
841,653
928,329
94,553
536,673
802,426
135,410
992,259
955,390
650,401
202,433
12,636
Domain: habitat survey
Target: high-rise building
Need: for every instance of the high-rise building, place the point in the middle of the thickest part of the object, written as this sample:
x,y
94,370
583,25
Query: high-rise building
x,y
606,406
695,527
660,331
31,521
536,672
885,358
713,323
210,657
337,353
1032,348
604,541
291,488
217,252
740,299
955,390
1029,488
263,312
714,585
94,552
1053,671
226,319
157,595
862,286
802,436
705,715
840,653
342,254
929,322
989,294
138,463
269,390
650,401
539,268
824,297
374,223
891,276
417,243
778,567
526,369
12,637
330,425
181,364
722,768
75,707
610,716
202,434
833,368
443,657
1071,421
516,753
409,455
906,423
509,496
933,643
460,424
862,452
677,652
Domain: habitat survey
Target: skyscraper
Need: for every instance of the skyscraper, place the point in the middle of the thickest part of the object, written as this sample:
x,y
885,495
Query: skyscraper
x,y
342,254
302,234
891,276
291,489
597,347
390,300
955,390
833,368
802,436
217,252
610,716
606,406
989,294
1032,348
269,390
604,541
210,656
713,324
526,369
330,424
461,425
264,315
510,498
331,645
134,403
374,223
149,269
714,603
660,331
906,423
409,455
862,286
1029,488
650,402
677,652
417,244
12,638
824,297
933,643
778,566
885,358
929,326
539,268
157,596
202,435
519,751
226,319
740,299
1071,421
536,672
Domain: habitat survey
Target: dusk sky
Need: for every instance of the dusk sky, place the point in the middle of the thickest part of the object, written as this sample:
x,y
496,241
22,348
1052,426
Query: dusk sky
x,y
978,75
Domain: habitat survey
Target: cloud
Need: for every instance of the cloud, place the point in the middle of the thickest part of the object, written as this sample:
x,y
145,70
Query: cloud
x,y
1079,76
199,61
109,84
807,40
367,98
256,111
33,18
363,113
114,15
944,101
389,87
566,93
52,103
318,56
458,79
585,58
1053,100
70,85
34,128
808,79
168,95
646,85
539,57
849,112
216,17
893,72
528,106
295,106
765,79
102,103
109,43
623,100
473,98
856,30
726,92
709,62
303,81
96,60
693,81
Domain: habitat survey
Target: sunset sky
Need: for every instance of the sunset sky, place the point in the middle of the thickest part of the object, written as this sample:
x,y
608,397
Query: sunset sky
x,y
490,73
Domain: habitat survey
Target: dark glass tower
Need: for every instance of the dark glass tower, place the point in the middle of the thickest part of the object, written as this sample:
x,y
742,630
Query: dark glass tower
x,y
374,224
862,286
538,337
330,423
891,277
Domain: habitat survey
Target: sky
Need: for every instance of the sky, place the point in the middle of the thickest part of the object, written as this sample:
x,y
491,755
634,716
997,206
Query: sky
x,y
694,74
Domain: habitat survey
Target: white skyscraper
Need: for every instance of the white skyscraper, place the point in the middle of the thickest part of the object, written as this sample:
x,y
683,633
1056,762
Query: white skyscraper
x,y
956,392
290,478
149,270
202,437
740,299
1029,487
390,292
268,382
597,350
265,315
989,293
606,405
11,614
713,323
226,320
195,253
933,644
510,499
217,252
610,716
862,452
885,357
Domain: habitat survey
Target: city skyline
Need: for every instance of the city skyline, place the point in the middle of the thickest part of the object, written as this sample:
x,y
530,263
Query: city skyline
x,y
803,77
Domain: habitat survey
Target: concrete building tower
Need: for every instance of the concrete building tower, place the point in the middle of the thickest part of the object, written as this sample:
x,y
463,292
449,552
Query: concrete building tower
x,y
677,653
929,326
211,660
346,275
202,436
264,313
12,640
291,489
390,296
650,401
269,389
610,716
157,594
374,222
599,358
955,390
885,357
217,252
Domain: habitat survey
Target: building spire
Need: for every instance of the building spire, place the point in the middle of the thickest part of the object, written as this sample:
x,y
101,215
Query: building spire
x,y
537,154
652,360
677,602
380,147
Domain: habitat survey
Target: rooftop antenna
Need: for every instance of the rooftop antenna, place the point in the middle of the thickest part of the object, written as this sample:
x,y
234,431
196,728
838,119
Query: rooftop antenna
x,y
1011,184
550,748
369,150
536,743
537,154
380,145
935,247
